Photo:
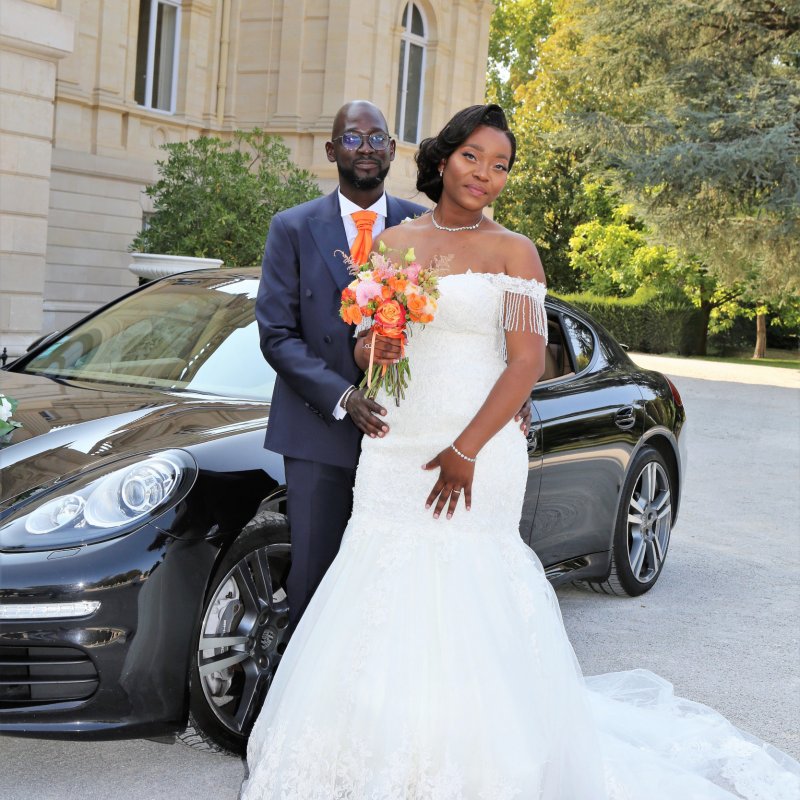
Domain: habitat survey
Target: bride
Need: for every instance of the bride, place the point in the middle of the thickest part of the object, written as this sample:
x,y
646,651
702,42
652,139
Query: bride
x,y
432,663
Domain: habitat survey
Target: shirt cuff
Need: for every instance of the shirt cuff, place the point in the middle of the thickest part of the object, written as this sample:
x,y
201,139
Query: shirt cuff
x,y
338,411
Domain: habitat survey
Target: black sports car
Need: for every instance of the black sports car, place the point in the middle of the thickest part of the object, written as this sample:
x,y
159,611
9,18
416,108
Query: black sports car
x,y
143,543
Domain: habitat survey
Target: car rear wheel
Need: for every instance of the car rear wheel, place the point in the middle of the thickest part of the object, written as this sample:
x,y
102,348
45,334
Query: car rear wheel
x,y
243,633
643,527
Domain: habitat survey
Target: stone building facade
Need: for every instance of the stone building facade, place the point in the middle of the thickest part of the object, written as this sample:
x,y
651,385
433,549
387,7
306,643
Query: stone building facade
x,y
89,90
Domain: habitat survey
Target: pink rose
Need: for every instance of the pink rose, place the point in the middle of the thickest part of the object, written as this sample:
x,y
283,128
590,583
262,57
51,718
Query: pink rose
x,y
366,290
412,272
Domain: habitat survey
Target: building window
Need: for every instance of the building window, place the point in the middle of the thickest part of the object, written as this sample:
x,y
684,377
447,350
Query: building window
x,y
157,54
410,82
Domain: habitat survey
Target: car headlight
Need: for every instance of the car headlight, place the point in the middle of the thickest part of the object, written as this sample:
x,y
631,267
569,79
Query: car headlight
x,y
101,504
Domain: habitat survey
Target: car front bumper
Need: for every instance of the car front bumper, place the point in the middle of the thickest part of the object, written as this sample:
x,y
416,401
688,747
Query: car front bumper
x,y
121,671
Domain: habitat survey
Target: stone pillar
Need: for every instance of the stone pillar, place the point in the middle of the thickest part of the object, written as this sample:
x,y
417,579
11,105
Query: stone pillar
x,y
33,37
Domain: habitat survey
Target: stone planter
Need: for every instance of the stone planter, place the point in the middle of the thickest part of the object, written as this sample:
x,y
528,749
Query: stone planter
x,y
154,265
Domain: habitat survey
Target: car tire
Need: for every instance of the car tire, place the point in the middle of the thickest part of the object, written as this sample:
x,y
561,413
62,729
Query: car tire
x,y
643,527
242,634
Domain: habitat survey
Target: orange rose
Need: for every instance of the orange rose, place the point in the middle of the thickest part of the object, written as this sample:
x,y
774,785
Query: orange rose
x,y
348,294
398,285
416,306
351,314
386,292
390,319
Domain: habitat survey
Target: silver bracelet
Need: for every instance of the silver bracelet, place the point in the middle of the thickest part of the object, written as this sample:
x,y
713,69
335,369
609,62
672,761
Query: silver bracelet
x,y
459,453
346,397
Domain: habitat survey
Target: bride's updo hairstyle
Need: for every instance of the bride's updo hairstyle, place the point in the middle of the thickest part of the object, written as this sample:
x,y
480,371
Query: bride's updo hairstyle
x,y
434,150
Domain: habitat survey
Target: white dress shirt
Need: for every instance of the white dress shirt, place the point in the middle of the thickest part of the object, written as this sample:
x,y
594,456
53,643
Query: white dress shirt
x,y
347,208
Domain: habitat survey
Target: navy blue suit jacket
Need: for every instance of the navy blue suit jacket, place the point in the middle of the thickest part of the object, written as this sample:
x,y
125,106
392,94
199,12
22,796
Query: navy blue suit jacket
x,y
302,335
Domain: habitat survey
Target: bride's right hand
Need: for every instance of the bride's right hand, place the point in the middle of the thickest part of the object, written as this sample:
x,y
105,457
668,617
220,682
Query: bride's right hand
x,y
455,480
386,351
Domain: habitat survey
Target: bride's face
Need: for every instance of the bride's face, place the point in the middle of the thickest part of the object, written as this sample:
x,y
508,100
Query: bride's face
x,y
477,170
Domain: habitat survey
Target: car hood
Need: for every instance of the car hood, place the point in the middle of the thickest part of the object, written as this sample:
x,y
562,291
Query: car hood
x,y
71,427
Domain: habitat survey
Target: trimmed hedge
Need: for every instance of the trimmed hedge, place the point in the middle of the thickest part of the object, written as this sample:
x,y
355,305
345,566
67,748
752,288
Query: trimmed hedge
x,y
645,322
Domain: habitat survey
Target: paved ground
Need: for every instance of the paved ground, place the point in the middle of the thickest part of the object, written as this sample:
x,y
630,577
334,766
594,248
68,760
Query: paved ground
x,y
722,623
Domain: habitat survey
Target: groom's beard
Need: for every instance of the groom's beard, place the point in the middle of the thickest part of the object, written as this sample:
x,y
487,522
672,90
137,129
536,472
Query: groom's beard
x,y
367,182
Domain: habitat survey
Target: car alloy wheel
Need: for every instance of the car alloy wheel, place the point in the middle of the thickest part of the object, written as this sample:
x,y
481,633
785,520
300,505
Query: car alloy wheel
x,y
649,522
243,633
643,526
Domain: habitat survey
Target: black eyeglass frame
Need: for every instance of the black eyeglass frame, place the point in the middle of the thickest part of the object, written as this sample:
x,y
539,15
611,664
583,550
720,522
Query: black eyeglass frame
x,y
365,137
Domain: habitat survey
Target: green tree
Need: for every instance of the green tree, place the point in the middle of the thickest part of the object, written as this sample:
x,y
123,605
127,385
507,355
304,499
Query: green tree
x,y
697,121
546,196
616,258
517,32
216,198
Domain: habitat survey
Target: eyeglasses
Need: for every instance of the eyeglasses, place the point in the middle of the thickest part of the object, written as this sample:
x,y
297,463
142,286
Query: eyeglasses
x,y
352,140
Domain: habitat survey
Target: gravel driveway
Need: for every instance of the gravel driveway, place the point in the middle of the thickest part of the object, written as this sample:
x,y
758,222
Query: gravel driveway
x,y
722,623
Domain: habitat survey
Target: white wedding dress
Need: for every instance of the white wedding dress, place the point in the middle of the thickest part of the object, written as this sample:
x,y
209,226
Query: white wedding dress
x,y
432,662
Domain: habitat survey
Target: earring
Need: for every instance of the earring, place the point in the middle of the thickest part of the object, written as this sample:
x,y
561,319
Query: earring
x,y
441,172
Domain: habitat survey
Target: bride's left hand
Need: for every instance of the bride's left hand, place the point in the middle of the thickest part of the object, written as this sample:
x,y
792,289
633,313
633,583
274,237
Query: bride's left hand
x,y
524,416
455,480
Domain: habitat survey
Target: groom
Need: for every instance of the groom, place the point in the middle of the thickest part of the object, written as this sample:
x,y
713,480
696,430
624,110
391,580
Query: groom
x,y
317,416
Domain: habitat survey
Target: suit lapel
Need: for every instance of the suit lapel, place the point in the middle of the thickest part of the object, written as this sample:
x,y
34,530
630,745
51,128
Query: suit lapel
x,y
394,212
327,230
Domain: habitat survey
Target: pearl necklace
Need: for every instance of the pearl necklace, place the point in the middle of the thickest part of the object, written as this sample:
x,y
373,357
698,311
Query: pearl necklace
x,y
453,230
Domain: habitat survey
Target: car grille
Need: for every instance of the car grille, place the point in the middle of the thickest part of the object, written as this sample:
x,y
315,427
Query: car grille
x,y
40,675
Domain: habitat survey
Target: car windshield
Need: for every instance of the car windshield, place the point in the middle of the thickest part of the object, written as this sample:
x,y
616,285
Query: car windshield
x,y
189,333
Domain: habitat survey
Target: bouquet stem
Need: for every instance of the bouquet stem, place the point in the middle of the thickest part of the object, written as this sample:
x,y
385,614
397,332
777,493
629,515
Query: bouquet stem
x,y
393,378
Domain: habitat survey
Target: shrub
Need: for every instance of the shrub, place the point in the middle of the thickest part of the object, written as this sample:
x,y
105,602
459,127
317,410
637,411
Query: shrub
x,y
645,322
215,198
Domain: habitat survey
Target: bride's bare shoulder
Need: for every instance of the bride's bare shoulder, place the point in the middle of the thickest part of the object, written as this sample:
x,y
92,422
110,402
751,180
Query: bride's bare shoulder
x,y
521,257
401,233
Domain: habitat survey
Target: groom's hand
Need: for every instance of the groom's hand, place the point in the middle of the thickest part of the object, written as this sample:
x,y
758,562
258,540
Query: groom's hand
x,y
524,416
363,412
385,351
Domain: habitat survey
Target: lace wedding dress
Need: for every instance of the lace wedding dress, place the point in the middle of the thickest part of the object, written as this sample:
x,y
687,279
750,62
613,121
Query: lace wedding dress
x,y
432,663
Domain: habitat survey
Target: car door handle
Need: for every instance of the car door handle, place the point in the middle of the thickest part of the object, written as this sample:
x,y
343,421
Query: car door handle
x,y
533,440
625,418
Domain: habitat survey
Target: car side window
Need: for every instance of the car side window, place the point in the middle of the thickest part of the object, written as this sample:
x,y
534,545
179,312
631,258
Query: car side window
x,y
556,362
582,340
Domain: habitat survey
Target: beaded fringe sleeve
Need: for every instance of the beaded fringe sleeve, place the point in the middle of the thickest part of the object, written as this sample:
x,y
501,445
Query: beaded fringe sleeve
x,y
522,306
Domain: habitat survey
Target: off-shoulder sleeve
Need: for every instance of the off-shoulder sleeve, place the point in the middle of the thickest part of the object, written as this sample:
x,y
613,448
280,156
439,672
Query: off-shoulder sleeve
x,y
522,307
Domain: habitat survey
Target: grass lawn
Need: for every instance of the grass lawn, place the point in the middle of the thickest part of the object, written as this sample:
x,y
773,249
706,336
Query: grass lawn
x,y
788,359
786,363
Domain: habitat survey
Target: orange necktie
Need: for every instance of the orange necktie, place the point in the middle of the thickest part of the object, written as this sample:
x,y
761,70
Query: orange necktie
x,y
364,221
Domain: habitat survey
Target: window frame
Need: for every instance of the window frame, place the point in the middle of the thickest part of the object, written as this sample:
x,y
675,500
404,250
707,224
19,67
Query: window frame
x,y
407,39
151,56
557,315
571,350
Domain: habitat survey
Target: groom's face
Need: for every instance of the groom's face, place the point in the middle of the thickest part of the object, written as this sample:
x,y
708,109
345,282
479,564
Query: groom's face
x,y
366,166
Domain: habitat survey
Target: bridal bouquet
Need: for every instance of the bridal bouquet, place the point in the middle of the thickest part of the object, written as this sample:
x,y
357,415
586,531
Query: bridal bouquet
x,y
388,296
